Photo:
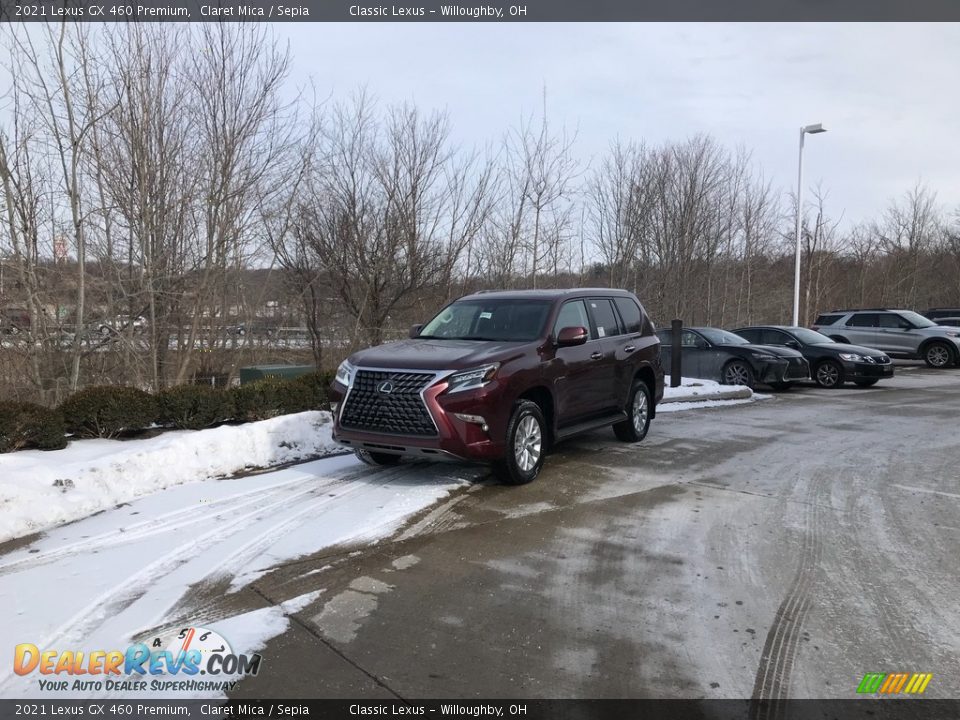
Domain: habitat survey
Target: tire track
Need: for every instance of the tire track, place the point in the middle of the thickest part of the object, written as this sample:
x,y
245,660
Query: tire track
x,y
772,682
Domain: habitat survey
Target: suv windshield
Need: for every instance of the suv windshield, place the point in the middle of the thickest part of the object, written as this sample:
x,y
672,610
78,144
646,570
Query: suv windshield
x,y
722,337
916,318
499,320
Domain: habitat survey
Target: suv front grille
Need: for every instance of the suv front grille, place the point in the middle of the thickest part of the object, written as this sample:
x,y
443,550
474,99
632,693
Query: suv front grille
x,y
388,402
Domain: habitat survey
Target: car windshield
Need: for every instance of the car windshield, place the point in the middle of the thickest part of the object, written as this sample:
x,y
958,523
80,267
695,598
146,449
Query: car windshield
x,y
722,337
810,337
498,320
917,319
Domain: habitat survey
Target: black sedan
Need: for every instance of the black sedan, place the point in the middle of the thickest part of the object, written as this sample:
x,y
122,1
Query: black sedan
x,y
832,363
715,354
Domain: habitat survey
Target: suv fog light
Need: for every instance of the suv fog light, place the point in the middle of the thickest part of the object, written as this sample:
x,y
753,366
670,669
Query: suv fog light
x,y
475,419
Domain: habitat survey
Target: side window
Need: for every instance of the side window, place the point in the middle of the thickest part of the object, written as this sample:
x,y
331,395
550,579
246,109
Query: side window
x,y
826,319
630,312
750,335
604,317
572,314
892,320
690,340
666,337
772,337
864,320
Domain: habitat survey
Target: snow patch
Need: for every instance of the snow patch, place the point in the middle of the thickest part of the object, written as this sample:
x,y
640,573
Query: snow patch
x,y
39,490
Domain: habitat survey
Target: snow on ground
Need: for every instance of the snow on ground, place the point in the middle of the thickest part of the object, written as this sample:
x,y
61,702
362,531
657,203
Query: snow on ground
x,y
697,390
169,557
93,475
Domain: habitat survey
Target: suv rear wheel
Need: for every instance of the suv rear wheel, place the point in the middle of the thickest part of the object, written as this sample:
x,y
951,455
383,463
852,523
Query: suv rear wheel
x,y
634,428
375,458
525,447
937,355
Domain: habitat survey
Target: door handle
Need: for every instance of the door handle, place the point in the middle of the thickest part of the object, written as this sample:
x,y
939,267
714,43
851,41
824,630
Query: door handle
x,y
596,356
630,348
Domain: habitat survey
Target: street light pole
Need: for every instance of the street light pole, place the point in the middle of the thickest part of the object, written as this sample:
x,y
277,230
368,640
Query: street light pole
x,y
813,130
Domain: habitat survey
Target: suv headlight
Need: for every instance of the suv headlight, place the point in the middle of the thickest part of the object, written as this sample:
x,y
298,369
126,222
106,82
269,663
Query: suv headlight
x,y
762,356
472,379
851,357
345,373
952,333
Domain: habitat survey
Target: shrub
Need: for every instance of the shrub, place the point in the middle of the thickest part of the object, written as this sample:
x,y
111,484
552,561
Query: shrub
x,y
106,411
194,407
259,400
27,425
312,390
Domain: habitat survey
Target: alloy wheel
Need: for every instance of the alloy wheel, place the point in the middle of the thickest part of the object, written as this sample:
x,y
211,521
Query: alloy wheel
x,y
639,411
938,356
828,375
528,443
738,374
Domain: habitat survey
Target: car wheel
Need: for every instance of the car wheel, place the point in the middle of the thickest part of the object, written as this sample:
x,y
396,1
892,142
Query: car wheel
x,y
737,372
525,447
375,458
829,374
866,383
937,355
634,428
781,386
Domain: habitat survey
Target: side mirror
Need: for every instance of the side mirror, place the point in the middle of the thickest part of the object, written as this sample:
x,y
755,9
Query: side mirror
x,y
570,336
792,344
415,330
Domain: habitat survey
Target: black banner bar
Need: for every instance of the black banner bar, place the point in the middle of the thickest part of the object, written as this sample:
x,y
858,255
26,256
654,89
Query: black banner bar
x,y
856,709
459,11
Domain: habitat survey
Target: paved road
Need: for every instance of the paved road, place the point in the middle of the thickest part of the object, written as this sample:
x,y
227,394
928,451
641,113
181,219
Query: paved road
x,y
778,549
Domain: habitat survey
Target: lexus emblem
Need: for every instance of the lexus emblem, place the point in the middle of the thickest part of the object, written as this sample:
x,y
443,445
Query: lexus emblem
x,y
386,387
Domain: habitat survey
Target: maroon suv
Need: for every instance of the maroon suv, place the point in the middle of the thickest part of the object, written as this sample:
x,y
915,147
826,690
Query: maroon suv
x,y
499,376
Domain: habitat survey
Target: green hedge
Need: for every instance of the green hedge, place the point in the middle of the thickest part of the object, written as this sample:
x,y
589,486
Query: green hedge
x,y
109,410
25,425
194,407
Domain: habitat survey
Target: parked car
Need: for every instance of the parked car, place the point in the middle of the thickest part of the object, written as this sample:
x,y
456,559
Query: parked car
x,y
936,314
498,377
901,333
831,363
122,323
948,321
714,354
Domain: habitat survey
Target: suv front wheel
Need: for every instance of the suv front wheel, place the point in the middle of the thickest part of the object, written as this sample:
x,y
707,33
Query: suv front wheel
x,y
525,447
937,355
634,428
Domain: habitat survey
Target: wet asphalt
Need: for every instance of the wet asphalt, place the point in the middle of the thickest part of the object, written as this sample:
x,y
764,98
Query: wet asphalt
x,y
776,549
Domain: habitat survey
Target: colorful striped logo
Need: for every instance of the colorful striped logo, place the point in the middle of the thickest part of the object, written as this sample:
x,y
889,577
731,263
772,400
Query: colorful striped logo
x,y
894,683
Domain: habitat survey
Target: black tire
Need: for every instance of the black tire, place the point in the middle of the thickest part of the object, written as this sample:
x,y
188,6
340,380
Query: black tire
x,y
526,445
635,427
866,383
375,458
828,374
737,372
938,355
781,386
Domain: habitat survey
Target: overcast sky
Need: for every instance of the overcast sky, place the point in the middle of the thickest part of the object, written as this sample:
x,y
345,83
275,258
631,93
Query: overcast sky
x,y
887,93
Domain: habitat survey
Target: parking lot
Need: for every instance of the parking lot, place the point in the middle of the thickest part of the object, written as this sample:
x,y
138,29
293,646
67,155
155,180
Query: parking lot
x,y
777,549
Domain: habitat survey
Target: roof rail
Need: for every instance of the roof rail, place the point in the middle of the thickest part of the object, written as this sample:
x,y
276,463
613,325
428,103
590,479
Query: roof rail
x,y
883,309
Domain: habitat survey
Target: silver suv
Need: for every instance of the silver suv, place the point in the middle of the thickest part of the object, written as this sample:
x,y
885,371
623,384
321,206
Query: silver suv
x,y
901,333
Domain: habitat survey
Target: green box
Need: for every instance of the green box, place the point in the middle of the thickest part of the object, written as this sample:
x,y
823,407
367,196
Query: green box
x,y
287,372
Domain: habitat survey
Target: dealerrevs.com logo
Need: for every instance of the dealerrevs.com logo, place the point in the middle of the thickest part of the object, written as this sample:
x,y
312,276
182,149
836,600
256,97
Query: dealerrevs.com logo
x,y
192,659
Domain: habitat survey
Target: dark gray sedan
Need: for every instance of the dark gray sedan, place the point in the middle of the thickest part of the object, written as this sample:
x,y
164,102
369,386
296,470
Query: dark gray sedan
x,y
714,354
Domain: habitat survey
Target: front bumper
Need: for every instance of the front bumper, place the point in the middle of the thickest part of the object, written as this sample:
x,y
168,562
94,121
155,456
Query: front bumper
x,y
867,370
784,370
454,439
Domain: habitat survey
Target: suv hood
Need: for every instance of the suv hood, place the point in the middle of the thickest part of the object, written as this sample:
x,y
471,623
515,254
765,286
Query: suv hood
x,y
416,354
858,349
